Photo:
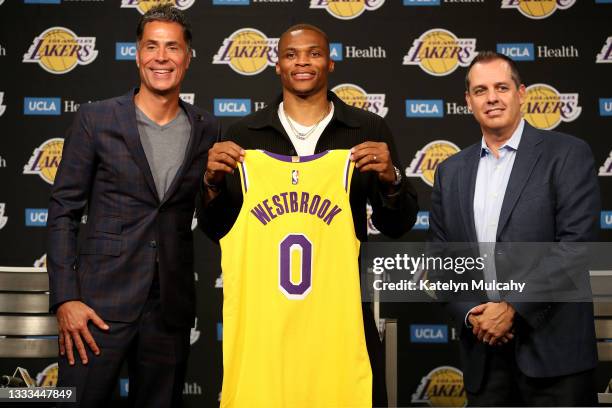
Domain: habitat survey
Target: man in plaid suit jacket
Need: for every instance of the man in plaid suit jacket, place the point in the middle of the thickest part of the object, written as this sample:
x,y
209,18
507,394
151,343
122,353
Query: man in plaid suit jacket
x,y
128,292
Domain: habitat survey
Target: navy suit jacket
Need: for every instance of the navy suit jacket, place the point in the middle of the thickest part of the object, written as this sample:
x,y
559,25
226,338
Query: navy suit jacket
x,y
552,196
129,232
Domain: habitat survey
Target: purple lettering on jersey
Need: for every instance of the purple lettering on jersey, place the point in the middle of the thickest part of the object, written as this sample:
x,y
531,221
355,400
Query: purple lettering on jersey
x,y
293,199
295,202
324,207
268,209
284,195
279,208
314,204
286,245
260,214
330,216
304,202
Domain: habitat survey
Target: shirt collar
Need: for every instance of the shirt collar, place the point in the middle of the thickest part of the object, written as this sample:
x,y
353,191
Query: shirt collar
x,y
269,117
512,143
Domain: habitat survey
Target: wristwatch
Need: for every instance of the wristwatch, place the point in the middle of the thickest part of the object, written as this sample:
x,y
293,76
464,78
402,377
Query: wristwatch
x,y
398,177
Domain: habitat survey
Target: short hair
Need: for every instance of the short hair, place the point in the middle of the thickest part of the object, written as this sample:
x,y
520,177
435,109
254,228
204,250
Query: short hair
x,y
168,13
305,26
488,56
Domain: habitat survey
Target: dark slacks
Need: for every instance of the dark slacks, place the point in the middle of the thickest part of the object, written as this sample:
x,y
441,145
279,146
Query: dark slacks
x,y
156,356
505,385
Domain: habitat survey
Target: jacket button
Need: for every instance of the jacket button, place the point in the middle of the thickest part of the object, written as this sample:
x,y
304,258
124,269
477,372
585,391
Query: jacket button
x,y
153,244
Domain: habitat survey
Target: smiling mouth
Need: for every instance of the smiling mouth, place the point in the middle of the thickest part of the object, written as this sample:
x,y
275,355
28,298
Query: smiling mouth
x,y
494,112
303,75
161,71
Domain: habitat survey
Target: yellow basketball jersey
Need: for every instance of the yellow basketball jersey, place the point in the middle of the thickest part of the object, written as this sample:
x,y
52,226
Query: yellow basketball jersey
x,y
292,324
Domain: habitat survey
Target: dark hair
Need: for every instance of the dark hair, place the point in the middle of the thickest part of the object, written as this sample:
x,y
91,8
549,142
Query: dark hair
x,y
305,26
488,56
168,13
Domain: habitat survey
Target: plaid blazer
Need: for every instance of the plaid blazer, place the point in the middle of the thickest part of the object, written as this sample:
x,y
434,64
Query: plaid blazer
x,y
129,230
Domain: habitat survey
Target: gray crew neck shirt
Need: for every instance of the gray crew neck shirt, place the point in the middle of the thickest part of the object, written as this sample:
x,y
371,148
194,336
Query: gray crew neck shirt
x,y
165,147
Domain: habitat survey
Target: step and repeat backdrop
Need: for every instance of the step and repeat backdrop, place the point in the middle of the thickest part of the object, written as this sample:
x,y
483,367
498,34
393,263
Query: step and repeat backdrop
x,y
404,60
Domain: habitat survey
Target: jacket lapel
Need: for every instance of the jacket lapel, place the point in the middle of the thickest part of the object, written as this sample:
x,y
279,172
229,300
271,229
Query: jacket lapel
x,y
197,121
527,156
467,186
126,118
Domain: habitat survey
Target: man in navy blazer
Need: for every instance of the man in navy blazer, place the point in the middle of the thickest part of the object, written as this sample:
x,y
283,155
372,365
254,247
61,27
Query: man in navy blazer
x,y
519,184
127,293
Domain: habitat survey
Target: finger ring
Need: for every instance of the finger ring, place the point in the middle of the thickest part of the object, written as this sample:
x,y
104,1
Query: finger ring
x,y
374,157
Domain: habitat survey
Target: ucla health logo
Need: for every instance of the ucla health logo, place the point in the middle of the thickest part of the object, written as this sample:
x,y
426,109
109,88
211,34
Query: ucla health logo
x,y
517,51
606,169
422,221
537,9
427,159
59,50
346,9
232,107
2,106
605,106
354,95
41,106
428,333
424,108
125,51
144,5
45,160
36,217
248,51
605,55
545,107
439,52
606,220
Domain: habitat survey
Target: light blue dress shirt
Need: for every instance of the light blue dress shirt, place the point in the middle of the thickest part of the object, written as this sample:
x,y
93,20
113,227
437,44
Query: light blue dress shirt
x,y
491,182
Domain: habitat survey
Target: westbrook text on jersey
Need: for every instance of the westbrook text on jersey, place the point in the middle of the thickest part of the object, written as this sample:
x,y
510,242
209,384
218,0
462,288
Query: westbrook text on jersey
x,y
291,202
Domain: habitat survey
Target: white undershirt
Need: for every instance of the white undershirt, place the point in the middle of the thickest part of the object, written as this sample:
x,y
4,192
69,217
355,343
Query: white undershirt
x,y
304,147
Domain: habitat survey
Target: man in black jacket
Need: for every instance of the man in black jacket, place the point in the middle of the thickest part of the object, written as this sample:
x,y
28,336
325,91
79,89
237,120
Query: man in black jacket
x,y
305,120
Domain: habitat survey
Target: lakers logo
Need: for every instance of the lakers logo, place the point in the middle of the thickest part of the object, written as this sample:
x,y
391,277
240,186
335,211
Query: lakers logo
x,y
427,159
439,52
248,51
372,230
48,376
606,169
45,160
59,50
442,387
144,5
3,218
346,9
2,107
41,262
355,96
605,56
546,108
537,9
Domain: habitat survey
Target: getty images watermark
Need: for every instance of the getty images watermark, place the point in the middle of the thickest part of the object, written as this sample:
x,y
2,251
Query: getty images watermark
x,y
519,272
